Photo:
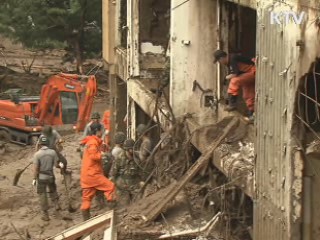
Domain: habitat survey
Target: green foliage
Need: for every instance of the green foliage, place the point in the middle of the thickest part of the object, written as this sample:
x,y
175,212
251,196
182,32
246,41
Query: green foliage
x,y
40,24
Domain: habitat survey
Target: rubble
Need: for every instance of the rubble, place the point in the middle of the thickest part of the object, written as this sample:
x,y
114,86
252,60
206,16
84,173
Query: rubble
x,y
169,210
203,230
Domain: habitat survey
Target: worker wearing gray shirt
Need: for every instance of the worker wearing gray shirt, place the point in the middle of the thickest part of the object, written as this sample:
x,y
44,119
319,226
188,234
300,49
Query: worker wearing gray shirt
x,y
45,159
54,142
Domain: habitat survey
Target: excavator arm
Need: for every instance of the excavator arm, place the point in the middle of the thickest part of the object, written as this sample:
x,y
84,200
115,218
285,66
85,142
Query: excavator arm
x,y
86,102
49,94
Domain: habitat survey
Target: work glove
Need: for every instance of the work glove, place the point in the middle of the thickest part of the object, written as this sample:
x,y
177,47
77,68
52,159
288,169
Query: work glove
x,y
61,165
230,76
34,182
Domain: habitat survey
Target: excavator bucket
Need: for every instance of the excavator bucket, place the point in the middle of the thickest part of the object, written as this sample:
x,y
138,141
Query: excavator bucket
x,y
86,102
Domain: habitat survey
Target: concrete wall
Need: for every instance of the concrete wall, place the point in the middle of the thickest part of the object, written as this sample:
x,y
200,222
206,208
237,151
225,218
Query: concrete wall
x,y
194,21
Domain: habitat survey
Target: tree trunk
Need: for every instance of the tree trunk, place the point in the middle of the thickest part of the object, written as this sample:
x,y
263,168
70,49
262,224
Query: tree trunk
x,y
78,38
81,32
78,54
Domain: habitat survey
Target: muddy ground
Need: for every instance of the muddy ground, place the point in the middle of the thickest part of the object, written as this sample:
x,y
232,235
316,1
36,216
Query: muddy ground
x,y
19,205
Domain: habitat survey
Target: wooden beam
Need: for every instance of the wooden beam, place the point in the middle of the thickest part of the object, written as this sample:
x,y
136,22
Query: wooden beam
x,y
87,227
195,168
109,233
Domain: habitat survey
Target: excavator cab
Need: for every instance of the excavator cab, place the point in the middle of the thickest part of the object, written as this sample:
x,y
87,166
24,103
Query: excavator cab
x,y
67,100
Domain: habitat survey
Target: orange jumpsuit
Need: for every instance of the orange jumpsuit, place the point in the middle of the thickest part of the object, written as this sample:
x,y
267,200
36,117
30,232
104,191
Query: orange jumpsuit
x,y
92,178
107,125
245,70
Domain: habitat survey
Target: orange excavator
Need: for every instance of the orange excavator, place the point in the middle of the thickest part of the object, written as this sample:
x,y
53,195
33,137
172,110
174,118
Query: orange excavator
x,y
65,102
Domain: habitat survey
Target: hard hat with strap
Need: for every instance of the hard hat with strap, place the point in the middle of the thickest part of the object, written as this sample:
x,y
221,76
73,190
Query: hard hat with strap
x,y
119,138
128,144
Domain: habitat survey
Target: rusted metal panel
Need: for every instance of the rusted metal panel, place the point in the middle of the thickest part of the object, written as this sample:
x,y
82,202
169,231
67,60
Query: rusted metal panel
x,y
274,170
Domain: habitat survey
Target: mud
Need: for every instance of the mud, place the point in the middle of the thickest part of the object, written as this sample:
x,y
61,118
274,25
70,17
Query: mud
x,y
19,205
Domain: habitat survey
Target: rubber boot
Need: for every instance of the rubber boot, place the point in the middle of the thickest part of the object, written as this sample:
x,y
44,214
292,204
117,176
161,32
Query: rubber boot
x,y
45,216
250,117
100,199
86,215
232,103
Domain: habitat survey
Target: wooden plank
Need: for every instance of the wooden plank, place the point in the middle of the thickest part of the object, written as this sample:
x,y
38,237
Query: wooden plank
x,y
195,168
109,233
87,227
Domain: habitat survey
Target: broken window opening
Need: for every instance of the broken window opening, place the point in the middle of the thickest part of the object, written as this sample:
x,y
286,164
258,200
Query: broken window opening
x,y
238,36
154,38
309,98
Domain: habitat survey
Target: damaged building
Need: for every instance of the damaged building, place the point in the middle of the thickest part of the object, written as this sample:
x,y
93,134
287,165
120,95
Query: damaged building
x,y
159,54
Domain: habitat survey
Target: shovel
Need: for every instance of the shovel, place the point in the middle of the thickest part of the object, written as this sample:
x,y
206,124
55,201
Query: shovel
x,y
18,175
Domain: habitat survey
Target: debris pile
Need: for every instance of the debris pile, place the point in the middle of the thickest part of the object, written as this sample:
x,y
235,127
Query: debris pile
x,y
239,162
182,198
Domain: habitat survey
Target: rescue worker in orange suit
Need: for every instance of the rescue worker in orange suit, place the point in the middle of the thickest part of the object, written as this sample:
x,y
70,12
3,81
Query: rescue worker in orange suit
x,y
242,76
92,178
95,118
107,125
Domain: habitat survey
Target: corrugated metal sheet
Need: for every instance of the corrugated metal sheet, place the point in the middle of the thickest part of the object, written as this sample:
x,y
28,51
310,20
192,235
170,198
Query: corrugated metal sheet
x,y
273,166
